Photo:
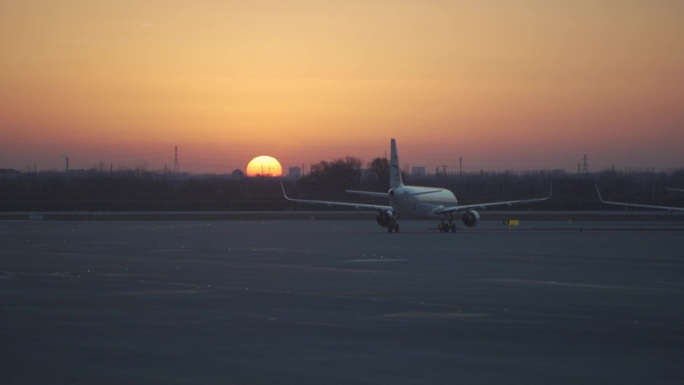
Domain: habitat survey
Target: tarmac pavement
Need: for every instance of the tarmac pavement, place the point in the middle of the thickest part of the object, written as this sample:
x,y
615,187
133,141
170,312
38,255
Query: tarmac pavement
x,y
340,302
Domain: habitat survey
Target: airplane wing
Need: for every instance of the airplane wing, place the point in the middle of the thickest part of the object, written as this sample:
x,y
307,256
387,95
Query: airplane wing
x,y
363,206
454,209
669,208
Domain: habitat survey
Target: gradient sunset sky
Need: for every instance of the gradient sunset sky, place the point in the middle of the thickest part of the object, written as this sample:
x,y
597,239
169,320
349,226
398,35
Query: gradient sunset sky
x,y
507,85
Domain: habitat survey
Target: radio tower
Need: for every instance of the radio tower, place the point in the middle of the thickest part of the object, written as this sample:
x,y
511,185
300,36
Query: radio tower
x,y
175,162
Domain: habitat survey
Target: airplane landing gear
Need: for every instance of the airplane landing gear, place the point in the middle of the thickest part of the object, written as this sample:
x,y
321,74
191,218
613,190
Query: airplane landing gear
x,y
446,227
447,224
393,227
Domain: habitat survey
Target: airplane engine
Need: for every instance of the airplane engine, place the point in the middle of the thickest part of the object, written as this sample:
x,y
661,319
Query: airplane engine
x,y
384,218
471,218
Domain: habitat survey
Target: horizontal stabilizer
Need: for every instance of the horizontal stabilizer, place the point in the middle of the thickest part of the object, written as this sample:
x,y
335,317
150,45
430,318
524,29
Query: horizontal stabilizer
x,y
426,192
369,193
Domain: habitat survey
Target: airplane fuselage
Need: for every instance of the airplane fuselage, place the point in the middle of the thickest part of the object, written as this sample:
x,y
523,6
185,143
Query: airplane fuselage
x,y
420,202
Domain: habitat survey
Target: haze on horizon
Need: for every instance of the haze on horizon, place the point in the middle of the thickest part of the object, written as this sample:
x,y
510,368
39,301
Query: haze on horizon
x,y
506,85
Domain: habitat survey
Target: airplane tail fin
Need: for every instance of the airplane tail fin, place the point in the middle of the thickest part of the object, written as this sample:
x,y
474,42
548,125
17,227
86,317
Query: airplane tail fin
x,y
395,170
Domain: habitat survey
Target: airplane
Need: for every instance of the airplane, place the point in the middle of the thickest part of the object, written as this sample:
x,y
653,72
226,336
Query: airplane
x,y
669,208
415,202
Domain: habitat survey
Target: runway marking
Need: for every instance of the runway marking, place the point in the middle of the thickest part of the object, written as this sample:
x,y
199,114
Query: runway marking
x,y
555,283
353,294
191,289
374,260
433,315
164,292
334,269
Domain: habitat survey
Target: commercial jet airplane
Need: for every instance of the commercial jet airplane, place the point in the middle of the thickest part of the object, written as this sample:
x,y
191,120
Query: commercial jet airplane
x,y
415,202
669,208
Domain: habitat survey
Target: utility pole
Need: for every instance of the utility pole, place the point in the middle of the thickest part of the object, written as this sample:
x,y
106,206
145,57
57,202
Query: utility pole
x,y
460,166
175,162
66,169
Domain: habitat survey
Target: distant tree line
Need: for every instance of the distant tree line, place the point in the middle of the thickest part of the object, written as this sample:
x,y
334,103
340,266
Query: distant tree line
x,y
102,190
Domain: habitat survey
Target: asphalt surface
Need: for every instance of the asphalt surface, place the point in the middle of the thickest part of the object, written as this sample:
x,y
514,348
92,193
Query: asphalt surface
x,y
340,302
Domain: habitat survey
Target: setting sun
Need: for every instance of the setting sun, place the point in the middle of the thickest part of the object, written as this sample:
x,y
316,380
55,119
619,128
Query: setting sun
x,y
264,166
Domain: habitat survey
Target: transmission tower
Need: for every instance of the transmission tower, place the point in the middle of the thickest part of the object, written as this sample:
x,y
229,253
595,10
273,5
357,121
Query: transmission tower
x,y
175,162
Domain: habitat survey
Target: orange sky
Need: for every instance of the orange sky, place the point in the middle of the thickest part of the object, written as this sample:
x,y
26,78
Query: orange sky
x,y
516,85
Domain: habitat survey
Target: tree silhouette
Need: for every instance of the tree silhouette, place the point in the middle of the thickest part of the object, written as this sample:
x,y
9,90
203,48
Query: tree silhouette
x,y
331,178
377,175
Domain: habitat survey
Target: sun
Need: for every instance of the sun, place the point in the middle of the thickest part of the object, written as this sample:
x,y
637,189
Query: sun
x,y
264,166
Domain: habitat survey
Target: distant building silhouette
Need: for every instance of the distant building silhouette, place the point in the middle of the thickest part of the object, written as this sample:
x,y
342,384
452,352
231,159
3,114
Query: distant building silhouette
x,y
418,171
